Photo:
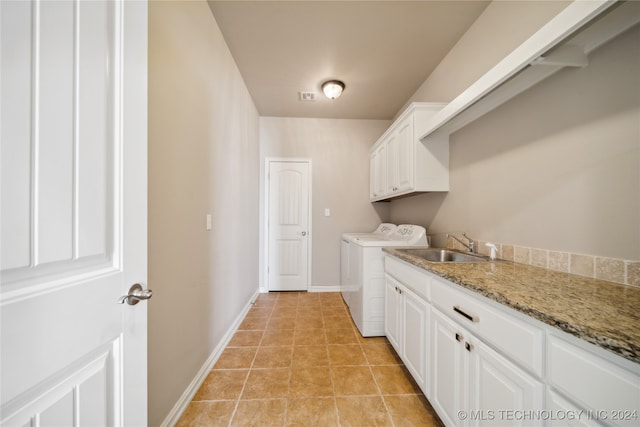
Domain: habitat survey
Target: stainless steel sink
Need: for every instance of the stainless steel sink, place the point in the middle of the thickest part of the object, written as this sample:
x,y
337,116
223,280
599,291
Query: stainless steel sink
x,y
446,255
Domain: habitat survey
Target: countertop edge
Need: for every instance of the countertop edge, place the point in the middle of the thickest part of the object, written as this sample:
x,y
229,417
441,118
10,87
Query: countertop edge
x,y
627,350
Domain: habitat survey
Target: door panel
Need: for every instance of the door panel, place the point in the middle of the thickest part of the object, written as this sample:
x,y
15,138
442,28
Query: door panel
x,y
497,384
416,332
392,319
391,164
405,154
73,202
289,226
83,386
61,211
449,370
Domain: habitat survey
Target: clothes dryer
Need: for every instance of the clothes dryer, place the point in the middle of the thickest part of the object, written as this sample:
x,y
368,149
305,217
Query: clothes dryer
x,y
362,273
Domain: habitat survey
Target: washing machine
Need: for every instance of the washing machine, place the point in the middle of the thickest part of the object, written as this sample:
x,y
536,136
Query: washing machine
x,y
362,273
384,229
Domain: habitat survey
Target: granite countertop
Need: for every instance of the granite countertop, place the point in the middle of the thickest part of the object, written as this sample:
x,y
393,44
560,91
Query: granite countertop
x,y
603,313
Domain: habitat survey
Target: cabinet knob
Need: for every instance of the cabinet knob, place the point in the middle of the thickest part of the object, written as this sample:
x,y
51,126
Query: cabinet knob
x,y
458,337
468,346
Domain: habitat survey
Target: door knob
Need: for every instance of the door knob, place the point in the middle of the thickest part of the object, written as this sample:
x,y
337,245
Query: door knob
x,y
304,233
136,293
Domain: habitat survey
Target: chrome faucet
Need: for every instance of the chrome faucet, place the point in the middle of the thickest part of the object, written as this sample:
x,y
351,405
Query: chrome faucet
x,y
471,245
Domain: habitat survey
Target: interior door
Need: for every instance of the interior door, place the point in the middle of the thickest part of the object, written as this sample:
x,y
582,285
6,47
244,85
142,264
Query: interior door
x,y
73,194
289,225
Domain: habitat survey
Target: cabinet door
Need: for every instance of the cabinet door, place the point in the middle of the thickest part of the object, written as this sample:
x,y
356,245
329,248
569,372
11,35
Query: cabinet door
x,y
415,316
405,156
449,370
378,172
556,404
372,175
391,155
500,392
392,302
595,383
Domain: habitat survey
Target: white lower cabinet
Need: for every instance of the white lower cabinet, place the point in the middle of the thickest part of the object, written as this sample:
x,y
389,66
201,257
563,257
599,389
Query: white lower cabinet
x,y
473,385
605,389
407,327
480,363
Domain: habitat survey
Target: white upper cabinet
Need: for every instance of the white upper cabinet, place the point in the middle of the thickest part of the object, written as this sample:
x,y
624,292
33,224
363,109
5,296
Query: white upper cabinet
x,y
401,164
413,154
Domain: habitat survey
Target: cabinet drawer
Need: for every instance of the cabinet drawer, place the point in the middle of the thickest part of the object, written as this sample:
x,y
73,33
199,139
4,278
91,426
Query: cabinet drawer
x,y
518,340
558,405
595,383
409,276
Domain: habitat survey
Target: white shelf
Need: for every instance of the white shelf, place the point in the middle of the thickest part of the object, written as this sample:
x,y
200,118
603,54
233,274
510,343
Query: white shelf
x,y
565,41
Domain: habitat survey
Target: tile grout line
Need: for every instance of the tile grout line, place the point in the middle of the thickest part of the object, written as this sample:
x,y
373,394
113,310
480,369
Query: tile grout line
x,y
235,410
246,380
328,310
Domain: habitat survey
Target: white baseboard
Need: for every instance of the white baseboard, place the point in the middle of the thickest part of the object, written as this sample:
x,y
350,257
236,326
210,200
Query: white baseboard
x,y
182,403
313,288
324,288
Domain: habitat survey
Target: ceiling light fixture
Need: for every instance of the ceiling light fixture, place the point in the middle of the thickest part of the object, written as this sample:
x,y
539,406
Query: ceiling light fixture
x,y
332,88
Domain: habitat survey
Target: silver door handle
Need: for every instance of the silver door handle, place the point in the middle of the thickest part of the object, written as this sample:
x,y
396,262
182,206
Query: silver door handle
x,y
304,233
136,293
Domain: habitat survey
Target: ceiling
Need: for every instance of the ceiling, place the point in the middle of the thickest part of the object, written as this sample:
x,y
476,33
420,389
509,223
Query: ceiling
x,y
382,50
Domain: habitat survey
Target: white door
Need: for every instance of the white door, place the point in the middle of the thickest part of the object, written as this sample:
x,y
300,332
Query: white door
x,y
73,194
289,225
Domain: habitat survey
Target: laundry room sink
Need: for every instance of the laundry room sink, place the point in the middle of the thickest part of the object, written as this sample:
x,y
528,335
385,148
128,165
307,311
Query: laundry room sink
x,y
446,255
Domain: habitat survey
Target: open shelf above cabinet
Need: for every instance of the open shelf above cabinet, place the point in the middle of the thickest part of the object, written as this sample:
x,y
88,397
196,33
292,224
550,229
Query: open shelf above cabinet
x,y
565,41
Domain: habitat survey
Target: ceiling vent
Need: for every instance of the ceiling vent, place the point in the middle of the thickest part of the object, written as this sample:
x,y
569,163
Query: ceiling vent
x,y
307,96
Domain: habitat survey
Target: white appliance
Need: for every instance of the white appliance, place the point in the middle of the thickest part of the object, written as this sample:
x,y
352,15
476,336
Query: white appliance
x,y
384,229
362,273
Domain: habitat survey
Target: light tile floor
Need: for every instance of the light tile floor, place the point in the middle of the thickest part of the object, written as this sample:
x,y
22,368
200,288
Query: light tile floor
x,y
297,359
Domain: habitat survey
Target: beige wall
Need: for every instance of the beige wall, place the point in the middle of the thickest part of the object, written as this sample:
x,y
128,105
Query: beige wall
x,y
502,27
339,152
203,158
558,167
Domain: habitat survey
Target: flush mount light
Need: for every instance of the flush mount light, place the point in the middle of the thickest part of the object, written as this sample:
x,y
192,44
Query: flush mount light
x,y
332,88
